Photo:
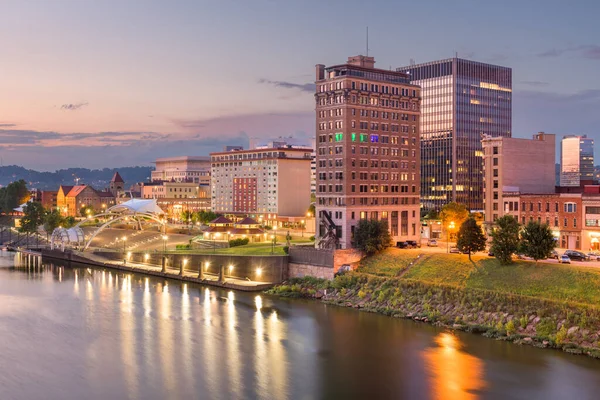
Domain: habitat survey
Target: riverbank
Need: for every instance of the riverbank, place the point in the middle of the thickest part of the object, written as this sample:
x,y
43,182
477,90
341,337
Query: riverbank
x,y
542,305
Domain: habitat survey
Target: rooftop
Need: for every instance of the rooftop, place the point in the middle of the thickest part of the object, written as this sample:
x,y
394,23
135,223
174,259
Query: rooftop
x,y
182,158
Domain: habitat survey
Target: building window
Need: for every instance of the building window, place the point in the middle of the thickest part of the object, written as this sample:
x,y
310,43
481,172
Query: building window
x,y
556,222
495,150
495,162
566,223
574,222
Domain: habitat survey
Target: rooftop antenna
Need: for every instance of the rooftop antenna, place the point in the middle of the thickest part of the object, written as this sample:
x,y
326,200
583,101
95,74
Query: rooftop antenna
x,y
367,41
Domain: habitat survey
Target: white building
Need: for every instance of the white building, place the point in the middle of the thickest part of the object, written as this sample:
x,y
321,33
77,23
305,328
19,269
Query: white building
x,y
182,169
267,182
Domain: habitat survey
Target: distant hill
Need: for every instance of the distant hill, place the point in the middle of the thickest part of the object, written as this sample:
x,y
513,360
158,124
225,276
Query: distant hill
x,y
98,178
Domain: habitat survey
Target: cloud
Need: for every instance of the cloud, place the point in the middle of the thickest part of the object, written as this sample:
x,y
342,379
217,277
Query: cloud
x,y
591,52
5,125
48,139
73,107
534,83
304,87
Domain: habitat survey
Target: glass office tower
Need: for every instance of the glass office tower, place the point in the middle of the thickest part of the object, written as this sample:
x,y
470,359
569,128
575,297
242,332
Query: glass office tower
x,y
576,160
462,102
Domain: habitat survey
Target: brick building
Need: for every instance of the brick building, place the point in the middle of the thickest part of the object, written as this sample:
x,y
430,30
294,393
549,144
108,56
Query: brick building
x,y
368,148
71,199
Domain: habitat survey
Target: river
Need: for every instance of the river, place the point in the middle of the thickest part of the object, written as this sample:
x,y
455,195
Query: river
x,y
85,333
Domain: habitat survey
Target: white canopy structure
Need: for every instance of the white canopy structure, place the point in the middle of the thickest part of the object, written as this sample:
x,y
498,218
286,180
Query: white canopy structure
x,y
137,209
20,208
67,237
137,206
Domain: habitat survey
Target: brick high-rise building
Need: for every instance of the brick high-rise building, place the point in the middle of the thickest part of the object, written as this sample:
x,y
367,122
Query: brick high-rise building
x,y
462,101
368,161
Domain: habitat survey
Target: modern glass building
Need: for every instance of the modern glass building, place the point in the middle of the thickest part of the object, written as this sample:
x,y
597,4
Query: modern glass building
x,y
462,101
576,160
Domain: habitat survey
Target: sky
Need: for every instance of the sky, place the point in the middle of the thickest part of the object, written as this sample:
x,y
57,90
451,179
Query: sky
x,y
113,83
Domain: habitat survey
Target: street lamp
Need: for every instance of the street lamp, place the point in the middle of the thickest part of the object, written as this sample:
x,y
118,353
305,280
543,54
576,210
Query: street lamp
x,y
124,240
165,238
217,234
272,244
450,227
302,227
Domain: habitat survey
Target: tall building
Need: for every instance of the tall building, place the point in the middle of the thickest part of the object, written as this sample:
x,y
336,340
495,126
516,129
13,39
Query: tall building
x,y
182,169
461,101
516,165
576,160
271,184
367,124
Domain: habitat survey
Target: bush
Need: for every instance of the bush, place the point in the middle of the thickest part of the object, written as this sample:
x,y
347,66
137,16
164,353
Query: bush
x,y
183,247
362,294
239,242
286,249
312,238
561,335
545,328
510,327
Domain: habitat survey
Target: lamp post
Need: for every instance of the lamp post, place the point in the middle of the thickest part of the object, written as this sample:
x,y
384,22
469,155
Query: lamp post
x,y
272,244
302,227
165,238
450,227
215,235
124,240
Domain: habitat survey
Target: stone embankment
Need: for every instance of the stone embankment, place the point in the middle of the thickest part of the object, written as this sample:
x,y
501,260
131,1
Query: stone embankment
x,y
572,327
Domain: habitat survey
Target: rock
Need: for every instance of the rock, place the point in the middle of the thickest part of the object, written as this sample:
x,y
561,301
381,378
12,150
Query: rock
x,y
545,343
456,326
527,340
572,330
536,320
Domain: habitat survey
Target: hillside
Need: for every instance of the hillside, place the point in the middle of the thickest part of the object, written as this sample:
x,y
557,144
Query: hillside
x,y
51,180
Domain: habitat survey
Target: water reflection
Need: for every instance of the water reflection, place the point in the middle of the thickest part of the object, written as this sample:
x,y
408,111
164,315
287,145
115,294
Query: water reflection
x,y
454,373
99,334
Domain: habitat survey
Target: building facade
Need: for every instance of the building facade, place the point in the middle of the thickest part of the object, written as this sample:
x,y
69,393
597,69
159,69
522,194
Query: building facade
x,y
267,183
71,199
516,165
461,101
182,169
576,161
368,161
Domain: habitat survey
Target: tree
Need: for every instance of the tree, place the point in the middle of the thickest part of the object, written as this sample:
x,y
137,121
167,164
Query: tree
x,y
454,212
186,216
537,241
372,236
52,220
13,195
69,222
505,238
470,237
206,216
33,217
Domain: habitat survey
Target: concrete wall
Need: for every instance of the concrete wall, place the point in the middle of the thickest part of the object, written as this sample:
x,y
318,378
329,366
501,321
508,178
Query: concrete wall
x,y
271,269
302,270
311,256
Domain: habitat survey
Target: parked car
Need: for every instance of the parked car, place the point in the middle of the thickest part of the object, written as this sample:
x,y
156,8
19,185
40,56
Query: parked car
x,y
593,256
564,259
454,249
413,244
576,255
554,254
402,245
432,243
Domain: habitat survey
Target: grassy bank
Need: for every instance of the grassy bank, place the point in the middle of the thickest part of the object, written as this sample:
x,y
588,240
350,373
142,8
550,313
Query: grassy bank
x,y
545,305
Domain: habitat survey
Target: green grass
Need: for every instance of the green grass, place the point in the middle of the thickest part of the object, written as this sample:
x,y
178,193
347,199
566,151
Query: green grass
x,y
551,281
548,281
390,262
449,269
252,249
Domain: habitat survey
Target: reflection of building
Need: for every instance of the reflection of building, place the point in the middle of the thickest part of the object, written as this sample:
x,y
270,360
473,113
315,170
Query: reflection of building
x,y
576,161
71,199
266,182
461,100
516,165
183,169
368,164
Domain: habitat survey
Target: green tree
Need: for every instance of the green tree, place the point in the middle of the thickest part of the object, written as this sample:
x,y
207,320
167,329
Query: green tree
x,y
52,220
33,217
470,237
186,216
537,241
13,195
372,236
455,213
206,216
505,238
69,222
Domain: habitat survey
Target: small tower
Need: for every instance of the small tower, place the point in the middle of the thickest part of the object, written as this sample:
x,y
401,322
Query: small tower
x,y
116,184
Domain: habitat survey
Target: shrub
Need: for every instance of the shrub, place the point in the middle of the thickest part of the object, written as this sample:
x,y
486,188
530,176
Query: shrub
x,y
561,335
510,327
312,238
545,328
286,249
239,242
183,247
523,321
362,294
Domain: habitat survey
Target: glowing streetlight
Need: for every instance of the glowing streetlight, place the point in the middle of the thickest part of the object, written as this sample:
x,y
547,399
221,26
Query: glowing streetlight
x,y
124,240
165,238
450,228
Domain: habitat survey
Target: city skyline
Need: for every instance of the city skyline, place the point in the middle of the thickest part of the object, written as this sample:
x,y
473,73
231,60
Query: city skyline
x,y
123,84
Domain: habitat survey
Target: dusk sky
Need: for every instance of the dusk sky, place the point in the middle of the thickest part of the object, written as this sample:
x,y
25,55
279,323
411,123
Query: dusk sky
x,y
117,83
